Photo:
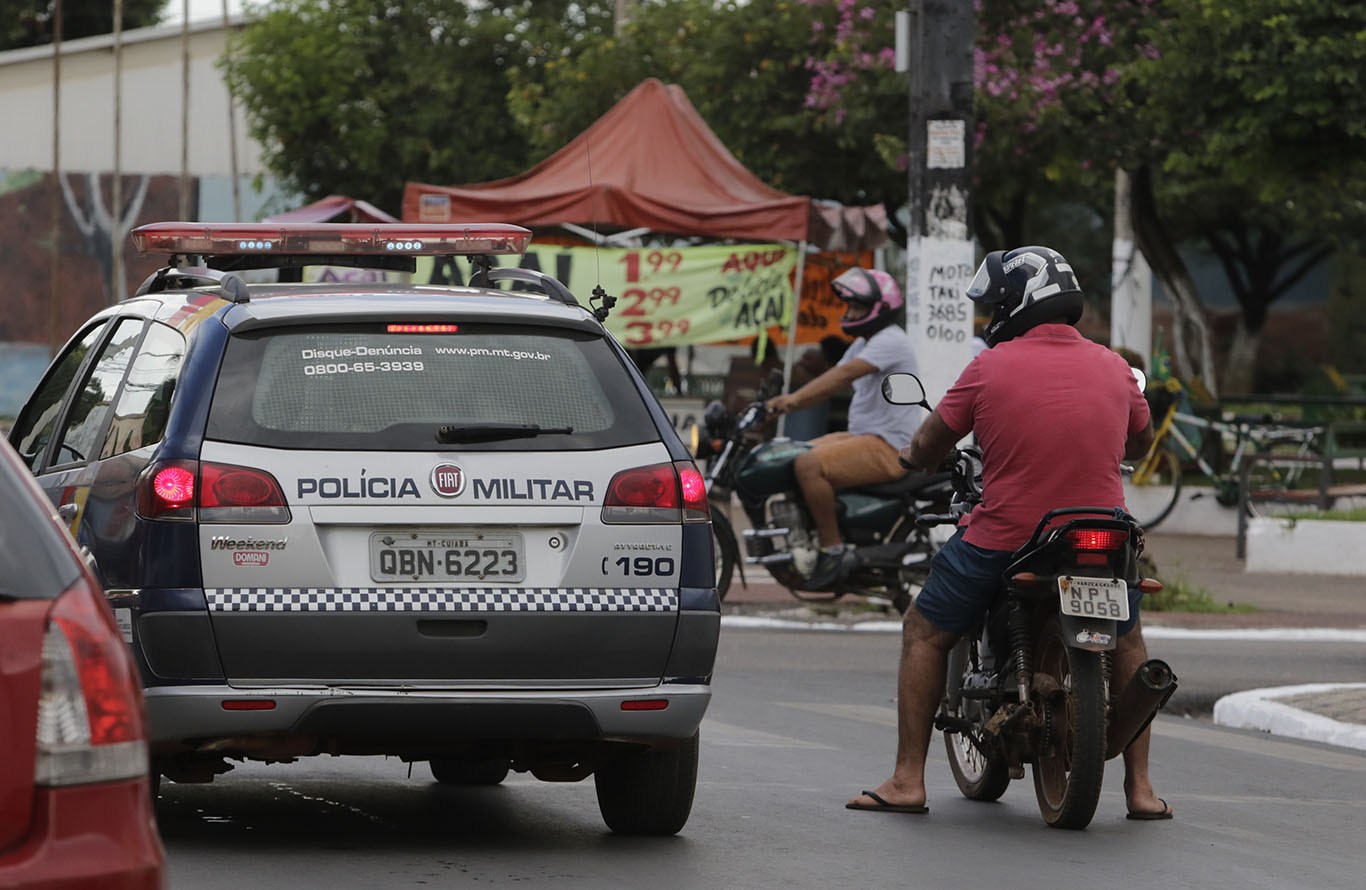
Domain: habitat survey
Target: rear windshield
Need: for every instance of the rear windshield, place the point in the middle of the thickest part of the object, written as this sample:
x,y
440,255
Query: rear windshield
x,y
35,563
363,387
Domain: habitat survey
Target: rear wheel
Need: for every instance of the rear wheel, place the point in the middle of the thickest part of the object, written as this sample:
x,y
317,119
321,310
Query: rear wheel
x,y
1070,763
726,550
466,772
649,792
1151,498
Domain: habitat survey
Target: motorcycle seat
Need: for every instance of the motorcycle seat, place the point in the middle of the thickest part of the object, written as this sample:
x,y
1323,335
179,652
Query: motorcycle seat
x,y
911,483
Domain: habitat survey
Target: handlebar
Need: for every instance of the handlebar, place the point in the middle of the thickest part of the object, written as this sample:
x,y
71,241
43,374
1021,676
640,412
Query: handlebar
x,y
928,520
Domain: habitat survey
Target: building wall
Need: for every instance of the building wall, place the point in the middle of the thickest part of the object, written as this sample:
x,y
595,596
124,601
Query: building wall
x,y
151,105
50,292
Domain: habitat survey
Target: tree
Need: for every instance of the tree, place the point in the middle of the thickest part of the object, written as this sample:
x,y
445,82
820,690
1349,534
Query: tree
x,y
1256,136
1048,108
1241,124
359,96
755,71
29,22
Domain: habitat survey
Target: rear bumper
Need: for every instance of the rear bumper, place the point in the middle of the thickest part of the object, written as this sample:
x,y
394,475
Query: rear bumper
x,y
89,836
182,718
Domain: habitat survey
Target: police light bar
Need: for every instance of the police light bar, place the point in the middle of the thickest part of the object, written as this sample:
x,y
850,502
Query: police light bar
x,y
329,239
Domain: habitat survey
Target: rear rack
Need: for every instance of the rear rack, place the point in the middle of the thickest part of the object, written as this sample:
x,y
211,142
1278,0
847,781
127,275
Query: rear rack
x,y
175,278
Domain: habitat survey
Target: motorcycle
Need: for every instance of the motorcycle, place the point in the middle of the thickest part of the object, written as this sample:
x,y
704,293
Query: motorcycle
x,y
1032,683
892,552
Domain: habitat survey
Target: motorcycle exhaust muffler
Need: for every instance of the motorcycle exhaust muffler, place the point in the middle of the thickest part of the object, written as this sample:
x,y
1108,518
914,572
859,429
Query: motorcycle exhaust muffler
x,y
1137,704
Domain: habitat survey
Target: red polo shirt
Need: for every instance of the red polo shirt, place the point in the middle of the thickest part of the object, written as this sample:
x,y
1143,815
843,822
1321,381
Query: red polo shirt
x,y
1051,412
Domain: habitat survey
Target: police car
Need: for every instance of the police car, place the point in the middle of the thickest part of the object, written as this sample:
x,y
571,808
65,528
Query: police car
x,y
444,523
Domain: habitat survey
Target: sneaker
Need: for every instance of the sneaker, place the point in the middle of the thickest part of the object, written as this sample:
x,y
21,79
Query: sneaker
x,y
831,566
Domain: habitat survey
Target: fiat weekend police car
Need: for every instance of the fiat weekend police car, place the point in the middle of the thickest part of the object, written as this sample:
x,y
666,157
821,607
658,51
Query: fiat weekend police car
x,y
444,523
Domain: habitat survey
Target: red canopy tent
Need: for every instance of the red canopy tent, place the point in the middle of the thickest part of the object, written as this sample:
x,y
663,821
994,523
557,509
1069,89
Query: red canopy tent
x,y
651,162
334,208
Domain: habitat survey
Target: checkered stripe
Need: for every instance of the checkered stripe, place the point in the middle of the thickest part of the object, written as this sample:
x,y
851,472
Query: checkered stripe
x,y
434,599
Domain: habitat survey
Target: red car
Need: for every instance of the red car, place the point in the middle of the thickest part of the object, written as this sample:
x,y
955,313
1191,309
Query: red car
x,y
75,801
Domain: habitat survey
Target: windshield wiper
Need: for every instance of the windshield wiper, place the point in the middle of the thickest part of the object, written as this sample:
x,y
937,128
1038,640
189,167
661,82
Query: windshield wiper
x,y
493,432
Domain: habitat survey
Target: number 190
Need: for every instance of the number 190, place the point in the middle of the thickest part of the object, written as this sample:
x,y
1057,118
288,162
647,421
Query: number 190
x,y
645,565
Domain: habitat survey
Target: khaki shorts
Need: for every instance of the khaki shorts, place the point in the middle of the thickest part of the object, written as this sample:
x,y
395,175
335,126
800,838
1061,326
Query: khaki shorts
x,y
848,461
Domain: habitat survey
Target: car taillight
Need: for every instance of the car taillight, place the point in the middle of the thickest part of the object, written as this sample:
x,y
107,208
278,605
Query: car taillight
x,y
240,494
1096,538
210,492
694,488
90,724
669,492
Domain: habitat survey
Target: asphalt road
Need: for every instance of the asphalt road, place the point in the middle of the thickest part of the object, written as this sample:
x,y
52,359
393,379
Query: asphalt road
x,y
800,721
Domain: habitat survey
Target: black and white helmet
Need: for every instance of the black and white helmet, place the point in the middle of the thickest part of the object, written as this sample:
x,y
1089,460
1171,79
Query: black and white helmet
x,y
1025,287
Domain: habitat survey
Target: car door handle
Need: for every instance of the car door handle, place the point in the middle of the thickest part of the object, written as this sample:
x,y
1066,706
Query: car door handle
x,y
67,512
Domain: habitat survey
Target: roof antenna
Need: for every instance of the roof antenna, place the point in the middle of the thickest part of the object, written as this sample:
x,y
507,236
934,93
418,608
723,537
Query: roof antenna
x,y
600,312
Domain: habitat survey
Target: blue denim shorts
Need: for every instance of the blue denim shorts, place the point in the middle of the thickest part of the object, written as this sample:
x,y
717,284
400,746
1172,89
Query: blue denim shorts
x,y
965,579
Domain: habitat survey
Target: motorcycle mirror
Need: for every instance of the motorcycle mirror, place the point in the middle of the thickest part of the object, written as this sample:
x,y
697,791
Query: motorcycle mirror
x,y
904,389
1141,379
774,384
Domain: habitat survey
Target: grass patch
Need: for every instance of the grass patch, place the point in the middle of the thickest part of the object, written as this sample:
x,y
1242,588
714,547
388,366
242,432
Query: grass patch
x,y
1355,514
1178,594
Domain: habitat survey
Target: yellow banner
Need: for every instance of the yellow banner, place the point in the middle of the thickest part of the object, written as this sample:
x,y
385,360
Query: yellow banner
x,y
671,296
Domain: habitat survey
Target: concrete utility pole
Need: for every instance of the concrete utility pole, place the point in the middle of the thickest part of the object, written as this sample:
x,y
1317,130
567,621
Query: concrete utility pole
x,y
623,15
54,297
118,279
940,258
1131,282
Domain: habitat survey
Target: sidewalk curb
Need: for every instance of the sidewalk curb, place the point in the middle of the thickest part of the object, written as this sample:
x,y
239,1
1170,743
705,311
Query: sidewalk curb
x,y
1152,632
1261,709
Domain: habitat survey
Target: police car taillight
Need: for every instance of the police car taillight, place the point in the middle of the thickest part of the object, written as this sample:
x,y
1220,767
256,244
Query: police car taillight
x,y
210,492
329,239
240,494
670,492
694,487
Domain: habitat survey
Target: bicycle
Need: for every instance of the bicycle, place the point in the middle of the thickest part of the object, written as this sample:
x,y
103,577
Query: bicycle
x,y
1161,469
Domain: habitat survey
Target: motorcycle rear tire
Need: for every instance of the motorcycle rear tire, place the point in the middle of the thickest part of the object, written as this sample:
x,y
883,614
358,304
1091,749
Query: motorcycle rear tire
x,y
1070,766
727,550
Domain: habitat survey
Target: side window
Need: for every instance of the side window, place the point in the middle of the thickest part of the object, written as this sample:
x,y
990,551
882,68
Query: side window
x,y
90,409
143,406
39,419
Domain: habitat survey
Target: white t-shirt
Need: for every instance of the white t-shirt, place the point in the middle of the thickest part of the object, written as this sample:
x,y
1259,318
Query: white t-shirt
x,y
889,350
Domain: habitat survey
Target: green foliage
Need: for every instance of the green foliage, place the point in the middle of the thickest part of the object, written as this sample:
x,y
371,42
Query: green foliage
x,y
1051,114
359,96
748,67
1179,595
1257,110
29,22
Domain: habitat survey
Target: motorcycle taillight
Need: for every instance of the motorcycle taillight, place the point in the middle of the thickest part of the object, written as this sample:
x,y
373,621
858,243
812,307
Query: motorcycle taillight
x,y
1093,546
1093,539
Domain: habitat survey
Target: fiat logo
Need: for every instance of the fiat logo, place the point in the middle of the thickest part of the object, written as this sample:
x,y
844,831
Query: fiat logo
x,y
448,480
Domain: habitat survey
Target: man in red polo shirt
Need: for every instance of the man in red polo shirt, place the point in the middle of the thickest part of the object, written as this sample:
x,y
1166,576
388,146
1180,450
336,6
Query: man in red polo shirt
x,y
1054,415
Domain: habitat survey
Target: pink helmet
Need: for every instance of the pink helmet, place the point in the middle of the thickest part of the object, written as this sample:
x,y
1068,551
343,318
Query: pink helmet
x,y
874,288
